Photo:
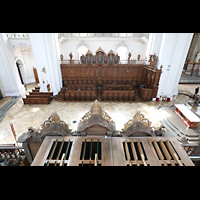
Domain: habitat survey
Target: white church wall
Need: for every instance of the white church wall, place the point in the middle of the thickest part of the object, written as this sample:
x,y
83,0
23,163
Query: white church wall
x,y
134,46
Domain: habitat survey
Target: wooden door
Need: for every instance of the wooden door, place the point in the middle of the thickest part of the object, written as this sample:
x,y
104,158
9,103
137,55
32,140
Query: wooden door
x,y
20,75
36,75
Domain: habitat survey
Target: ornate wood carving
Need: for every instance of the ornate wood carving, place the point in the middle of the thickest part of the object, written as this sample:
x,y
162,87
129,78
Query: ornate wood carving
x,y
134,143
124,82
96,110
100,58
138,117
153,60
54,119
96,121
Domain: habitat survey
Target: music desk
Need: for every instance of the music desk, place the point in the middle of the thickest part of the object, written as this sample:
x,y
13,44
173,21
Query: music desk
x,y
186,115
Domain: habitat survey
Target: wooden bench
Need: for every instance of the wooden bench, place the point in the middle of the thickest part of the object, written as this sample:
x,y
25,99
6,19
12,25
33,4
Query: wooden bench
x,y
80,95
38,96
118,95
35,90
117,87
36,100
81,87
47,94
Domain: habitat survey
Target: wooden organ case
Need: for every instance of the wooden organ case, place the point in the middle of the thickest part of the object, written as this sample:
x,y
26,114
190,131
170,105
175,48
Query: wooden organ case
x,y
102,77
96,142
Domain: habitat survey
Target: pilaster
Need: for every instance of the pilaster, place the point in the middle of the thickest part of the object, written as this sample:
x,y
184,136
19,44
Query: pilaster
x,y
46,55
9,75
172,54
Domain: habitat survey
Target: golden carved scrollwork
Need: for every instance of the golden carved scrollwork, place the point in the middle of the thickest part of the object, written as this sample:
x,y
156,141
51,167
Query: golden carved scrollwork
x,y
138,117
54,118
96,109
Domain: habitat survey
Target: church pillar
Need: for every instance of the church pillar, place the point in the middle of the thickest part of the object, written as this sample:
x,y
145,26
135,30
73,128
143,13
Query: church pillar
x,y
154,43
10,80
47,55
172,54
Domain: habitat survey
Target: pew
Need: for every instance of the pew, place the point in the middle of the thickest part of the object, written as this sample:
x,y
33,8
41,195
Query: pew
x,y
81,95
118,95
47,94
36,100
36,97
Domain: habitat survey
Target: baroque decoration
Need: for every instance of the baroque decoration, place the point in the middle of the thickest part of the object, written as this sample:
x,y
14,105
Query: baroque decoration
x,y
139,117
54,119
96,109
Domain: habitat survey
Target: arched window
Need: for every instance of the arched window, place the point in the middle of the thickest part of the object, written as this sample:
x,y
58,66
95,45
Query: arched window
x,y
82,50
122,52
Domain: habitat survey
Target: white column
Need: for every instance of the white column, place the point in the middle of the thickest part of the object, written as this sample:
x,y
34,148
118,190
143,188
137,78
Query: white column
x,y
9,75
154,44
172,54
46,55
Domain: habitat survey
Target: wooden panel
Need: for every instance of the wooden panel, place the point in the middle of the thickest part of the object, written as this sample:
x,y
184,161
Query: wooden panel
x,y
36,100
49,94
117,77
37,96
117,151
36,75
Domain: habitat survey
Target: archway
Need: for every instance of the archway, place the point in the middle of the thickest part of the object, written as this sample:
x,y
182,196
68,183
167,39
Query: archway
x,y
24,57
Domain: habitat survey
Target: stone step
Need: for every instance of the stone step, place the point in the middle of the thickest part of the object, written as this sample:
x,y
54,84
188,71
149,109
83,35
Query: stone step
x,y
174,130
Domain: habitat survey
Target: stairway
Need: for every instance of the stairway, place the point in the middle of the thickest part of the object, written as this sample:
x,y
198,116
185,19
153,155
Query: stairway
x,y
173,129
59,96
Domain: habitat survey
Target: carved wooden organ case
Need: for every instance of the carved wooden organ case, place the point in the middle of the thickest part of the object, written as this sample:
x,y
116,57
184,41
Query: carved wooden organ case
x,y
96,142
102,77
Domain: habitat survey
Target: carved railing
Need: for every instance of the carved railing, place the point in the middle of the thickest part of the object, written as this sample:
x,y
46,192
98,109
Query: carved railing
x,y
142,62
137,35
17,35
